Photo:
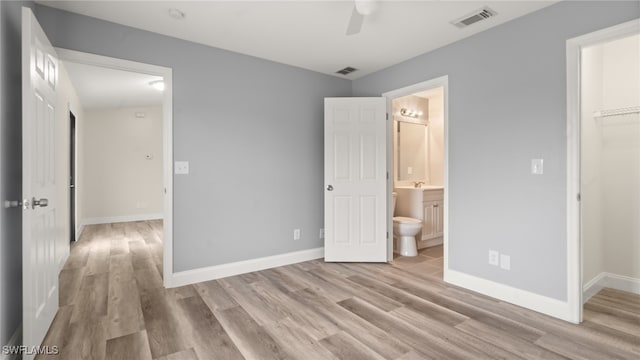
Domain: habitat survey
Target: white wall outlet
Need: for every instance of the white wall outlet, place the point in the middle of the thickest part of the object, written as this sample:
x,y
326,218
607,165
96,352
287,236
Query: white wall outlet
x,y
181,167
494,257
321,234
505,261
537,166
296,234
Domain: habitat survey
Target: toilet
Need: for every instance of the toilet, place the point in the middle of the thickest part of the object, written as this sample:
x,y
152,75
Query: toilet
x,y
405,229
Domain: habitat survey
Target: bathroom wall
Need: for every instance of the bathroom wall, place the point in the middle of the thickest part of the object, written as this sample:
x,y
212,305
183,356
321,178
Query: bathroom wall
x,y
120,183
611,160
436,136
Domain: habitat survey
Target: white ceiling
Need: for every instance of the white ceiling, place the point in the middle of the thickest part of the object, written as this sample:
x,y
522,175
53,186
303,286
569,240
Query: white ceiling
x,y
101,88
308,34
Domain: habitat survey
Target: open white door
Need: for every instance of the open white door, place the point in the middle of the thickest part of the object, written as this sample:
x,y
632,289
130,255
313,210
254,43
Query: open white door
x,y
39,271
355,179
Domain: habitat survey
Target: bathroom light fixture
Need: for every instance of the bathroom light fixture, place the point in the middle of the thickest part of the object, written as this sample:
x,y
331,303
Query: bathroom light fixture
x,y
157,84
410,113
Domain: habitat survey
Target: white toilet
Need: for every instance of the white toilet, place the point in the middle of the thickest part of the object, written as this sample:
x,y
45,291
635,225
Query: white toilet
x,y
405,229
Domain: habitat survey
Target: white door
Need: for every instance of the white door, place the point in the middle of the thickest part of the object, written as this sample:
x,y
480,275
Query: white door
x,y
355,179
39,270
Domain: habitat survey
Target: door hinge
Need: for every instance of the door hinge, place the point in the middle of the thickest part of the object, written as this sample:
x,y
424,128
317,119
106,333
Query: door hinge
x,y
578,197
387,116
387,175
387,235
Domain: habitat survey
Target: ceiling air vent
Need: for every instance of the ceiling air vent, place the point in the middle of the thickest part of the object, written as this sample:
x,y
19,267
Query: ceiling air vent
x,y
474,17
346,71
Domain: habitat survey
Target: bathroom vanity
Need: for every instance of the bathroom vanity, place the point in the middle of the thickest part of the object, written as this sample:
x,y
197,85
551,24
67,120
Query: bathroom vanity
x,y
427,204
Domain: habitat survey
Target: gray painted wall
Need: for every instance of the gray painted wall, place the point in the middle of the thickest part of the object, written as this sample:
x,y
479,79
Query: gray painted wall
x,y
251,129
507,105
11,167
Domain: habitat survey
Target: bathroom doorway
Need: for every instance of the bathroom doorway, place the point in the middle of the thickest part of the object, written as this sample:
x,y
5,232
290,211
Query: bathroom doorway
x,y
603,166
417,158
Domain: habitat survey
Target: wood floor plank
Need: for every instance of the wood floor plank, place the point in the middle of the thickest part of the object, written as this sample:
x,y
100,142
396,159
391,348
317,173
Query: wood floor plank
x,y
250,338
132,346
182,355
124,310
215,295
162,319
85,340
91,300
261,310
207,334
295,340
69,282
56,336
344,346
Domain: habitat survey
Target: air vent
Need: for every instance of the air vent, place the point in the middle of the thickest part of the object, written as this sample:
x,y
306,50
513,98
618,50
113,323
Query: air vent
x,y
346,71
474,17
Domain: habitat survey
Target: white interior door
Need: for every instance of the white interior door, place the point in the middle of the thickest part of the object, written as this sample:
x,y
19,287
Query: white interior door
x,y
39,270
355,179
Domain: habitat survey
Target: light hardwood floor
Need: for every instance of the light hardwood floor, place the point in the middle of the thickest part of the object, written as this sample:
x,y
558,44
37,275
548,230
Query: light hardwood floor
x,y
113,306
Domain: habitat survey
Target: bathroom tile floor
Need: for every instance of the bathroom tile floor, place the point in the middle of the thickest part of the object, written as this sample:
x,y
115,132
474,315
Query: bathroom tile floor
x,y
113,306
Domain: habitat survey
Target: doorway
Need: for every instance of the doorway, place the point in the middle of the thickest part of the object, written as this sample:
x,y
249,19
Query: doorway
x,y
603,163
142,121
419,118
72,177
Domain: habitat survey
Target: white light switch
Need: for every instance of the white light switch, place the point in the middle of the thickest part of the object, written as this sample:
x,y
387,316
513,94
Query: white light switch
x,y
409,170
181,167
537,166
505,262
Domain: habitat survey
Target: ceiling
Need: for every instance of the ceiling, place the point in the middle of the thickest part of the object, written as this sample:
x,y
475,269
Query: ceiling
x,y
308,34
100,88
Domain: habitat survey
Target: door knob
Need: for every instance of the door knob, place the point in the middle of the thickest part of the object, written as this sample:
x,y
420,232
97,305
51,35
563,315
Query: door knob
x,y
41,202
329,187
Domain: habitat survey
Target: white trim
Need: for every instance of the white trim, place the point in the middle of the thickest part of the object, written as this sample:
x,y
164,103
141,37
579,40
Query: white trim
x,y
613,281
13,341
241,267
574,242
167,133
119,219
443,82
526,299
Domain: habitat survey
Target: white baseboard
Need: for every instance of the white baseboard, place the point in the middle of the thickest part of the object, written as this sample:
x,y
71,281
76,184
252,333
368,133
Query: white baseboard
x,y
543,304
79,230
614,281
13,341
118,219
429,243
241,267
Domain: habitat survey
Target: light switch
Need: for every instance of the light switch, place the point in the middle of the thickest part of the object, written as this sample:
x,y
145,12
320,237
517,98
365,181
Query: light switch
x,y
181,167
537,166
409,170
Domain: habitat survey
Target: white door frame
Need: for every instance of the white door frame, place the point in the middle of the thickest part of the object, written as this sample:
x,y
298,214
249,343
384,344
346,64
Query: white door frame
x,y
167,135
574,239
442,81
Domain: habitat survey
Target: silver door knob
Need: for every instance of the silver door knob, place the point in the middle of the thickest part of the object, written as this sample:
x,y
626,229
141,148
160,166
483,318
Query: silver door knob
x,y
42,202
329,187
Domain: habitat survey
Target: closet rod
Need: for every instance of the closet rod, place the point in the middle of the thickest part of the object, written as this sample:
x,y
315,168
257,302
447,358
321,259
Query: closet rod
x,y
615,112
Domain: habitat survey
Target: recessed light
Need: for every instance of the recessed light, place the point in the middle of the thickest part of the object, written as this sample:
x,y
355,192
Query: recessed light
x,y
176,14
157,84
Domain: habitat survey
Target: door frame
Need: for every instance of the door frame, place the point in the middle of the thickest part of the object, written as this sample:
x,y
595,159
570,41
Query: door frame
x,y
443,82
574,238
167,138
71,110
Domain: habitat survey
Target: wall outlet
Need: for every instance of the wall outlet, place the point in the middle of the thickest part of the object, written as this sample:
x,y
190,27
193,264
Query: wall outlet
x,y
494,258
505,262
181,167
321,234
537,166
296,234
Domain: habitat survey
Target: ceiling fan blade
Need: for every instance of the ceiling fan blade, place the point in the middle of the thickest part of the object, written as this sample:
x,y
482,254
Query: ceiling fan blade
x,y
355,22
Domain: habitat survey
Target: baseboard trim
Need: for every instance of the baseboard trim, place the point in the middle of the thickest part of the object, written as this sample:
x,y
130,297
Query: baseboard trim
x,y
118,219
422,244
13,342
542,304
241,267
609,280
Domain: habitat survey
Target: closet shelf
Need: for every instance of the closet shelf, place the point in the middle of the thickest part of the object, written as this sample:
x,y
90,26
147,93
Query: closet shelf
x,y
616,112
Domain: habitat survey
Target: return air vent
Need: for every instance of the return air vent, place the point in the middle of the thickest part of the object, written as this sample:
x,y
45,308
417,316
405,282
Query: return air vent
x,y
346,71
474,17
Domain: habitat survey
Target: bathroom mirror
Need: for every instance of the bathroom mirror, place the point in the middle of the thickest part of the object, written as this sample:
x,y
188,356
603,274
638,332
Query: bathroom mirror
x,y
411,151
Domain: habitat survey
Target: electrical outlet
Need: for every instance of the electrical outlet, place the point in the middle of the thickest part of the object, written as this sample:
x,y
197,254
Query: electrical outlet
x,y
296,234
181,167
505,262
321,234
494,257
537,166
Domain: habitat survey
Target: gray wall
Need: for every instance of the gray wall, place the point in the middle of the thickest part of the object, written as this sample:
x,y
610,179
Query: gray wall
x,y
11,167
253,133
507,105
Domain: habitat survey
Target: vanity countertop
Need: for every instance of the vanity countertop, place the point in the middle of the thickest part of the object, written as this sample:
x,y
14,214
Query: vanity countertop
x,y
423,187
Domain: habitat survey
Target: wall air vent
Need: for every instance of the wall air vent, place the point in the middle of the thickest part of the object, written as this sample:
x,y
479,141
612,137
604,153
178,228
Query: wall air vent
x,y
474,17
346,71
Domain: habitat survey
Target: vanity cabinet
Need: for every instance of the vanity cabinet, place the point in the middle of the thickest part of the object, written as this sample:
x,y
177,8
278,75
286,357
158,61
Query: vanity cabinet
x,y
426,205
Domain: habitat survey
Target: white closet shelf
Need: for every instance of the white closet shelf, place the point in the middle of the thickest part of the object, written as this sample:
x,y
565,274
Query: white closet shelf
x,y
616,112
